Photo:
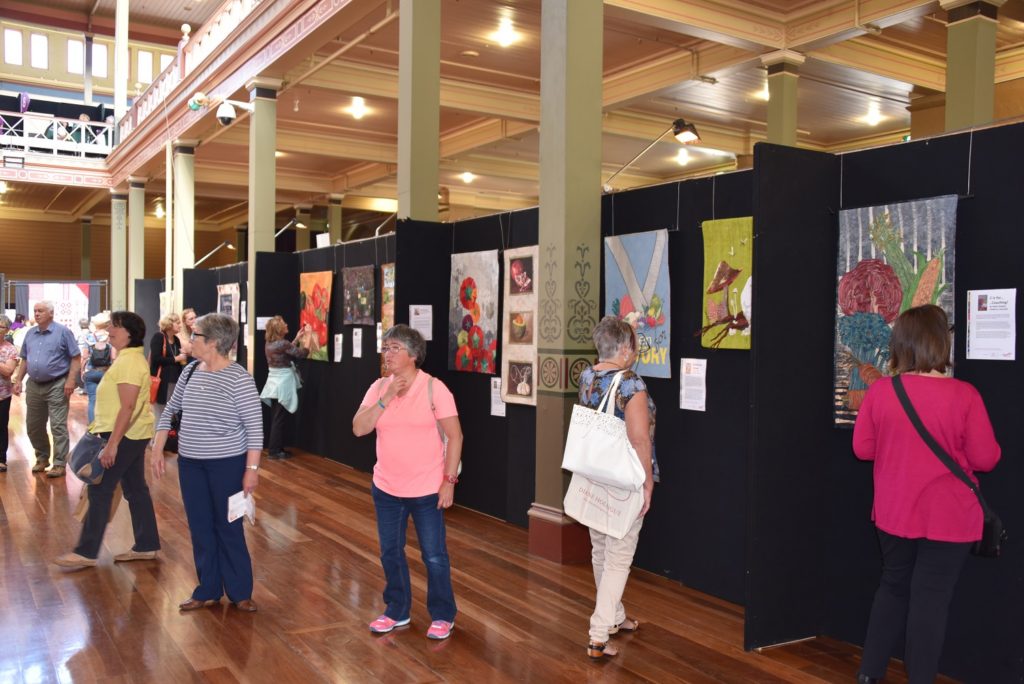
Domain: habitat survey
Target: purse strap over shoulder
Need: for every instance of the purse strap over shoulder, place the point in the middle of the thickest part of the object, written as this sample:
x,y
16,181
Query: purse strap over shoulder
x,y
606,404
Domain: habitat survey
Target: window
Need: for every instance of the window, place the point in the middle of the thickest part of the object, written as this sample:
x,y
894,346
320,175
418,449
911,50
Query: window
x,y
76,57
145,67
38,46
12,46
165,61
99,60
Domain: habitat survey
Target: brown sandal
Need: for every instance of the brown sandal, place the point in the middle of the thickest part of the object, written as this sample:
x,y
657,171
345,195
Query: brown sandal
x,y
627,625
598,650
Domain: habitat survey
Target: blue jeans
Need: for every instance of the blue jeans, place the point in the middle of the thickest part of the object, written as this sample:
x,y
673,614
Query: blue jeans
x,y
392,521
92,381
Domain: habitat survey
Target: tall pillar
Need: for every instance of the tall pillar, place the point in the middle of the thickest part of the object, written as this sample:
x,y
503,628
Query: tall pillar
x,y
184,215
136,235
419,108
262,187
570,252
87,71
118,251
120,60
970,61
783,74
86,263
168,217
334,217
303,212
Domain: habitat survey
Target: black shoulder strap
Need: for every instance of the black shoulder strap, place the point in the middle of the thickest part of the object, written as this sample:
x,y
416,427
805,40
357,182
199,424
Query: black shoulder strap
x,y
188,371
947,460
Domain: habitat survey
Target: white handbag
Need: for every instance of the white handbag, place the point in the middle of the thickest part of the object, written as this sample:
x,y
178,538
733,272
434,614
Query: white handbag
x,y
597,446
604,509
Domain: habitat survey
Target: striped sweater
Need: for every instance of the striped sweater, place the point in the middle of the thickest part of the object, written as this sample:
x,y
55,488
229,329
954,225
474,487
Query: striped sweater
x,y
221,416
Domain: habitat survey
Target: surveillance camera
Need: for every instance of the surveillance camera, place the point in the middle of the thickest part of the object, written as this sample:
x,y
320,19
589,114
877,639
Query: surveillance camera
x,y
226,114
198,101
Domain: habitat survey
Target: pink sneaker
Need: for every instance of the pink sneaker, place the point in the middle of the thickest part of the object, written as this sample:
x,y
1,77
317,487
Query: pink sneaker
x,y
439,629
384,624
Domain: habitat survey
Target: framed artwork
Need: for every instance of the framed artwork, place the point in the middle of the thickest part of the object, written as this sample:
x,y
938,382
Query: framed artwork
x,y
387,296
314,310
728,283
637,290
357,287
473,312
890,258
228,296
519,337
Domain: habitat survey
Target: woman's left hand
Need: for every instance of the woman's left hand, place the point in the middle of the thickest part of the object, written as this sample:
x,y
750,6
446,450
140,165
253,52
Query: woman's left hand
x,y
445,495
250,481
107,456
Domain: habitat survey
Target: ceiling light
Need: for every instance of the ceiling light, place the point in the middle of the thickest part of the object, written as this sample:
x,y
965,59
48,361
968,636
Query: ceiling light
x,y
358,108
295,105
469,53
874,115
467,176
685,133
159,211
3,187
278,153
683,157
506,33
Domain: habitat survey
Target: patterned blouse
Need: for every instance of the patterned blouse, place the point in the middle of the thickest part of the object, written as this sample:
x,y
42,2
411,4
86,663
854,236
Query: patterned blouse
x,y
7,352
594,384
281,352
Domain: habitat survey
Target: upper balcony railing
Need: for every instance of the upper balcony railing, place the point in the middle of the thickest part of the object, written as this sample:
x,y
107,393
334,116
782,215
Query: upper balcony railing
x,y
46,134
192,50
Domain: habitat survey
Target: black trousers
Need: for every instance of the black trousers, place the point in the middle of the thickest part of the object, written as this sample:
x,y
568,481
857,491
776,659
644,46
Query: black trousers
x,y
918,578
278,426
130,470
5,418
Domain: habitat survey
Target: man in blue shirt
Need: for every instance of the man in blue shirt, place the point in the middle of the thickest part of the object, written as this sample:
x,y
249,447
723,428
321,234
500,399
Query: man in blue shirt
x,y
52,361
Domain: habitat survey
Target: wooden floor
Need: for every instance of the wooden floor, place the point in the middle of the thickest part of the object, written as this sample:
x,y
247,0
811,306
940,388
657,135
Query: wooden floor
x,y
318,584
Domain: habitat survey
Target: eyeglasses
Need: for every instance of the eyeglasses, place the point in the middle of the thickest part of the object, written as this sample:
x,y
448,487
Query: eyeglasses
x,y
194,335
392,349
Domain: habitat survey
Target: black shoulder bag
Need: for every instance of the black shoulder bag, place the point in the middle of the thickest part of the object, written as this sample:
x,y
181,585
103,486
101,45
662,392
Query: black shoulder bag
x,y
992,533
172,434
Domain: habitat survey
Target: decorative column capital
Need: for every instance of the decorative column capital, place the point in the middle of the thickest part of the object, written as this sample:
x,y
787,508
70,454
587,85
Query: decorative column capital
x,y
782,61
962,10
137,181
86,219
336,198
185,145
263,86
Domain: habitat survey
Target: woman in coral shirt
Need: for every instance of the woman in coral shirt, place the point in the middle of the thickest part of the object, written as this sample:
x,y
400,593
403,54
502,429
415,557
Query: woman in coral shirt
x,y
927,519
415,475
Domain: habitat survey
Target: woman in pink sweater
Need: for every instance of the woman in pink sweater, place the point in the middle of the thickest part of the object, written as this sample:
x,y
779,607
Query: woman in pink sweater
x,y
927,519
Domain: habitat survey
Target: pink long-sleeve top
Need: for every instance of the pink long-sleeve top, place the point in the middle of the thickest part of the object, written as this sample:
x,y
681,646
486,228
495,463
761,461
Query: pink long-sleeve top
x,y
915,494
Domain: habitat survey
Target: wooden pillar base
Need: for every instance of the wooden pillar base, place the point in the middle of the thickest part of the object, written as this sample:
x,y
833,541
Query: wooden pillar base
x,y
558,538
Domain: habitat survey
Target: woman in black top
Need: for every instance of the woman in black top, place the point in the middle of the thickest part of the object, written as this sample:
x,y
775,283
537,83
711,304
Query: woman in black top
x,y
167,359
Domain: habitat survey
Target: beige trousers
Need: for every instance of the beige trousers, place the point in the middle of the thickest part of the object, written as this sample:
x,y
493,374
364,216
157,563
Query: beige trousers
x,y
612,559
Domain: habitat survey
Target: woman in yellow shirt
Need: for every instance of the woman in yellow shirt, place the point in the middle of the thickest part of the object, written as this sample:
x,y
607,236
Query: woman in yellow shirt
x,y
122,418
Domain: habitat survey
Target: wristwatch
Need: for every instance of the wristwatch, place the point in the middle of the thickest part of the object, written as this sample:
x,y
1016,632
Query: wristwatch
x,y
252,467
451,479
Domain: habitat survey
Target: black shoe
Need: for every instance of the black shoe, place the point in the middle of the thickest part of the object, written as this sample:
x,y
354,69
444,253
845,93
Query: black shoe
x,y
278,455
864,679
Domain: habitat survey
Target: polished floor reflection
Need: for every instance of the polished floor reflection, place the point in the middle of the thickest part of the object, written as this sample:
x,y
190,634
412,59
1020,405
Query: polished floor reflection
x,y
318,584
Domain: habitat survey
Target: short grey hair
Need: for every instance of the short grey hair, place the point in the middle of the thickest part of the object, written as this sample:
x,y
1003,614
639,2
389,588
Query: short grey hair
x,y
5,322
46,304
411,339
610,335
219,330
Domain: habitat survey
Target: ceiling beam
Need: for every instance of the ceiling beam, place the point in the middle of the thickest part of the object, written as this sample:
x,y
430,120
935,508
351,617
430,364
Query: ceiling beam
x,y
889,61
731,23
844,20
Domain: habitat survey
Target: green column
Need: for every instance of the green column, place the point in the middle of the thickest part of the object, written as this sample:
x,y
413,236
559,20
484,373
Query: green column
x,y
970,62
118,251
136,235
570,251
783,77
184,155
86,263
419,108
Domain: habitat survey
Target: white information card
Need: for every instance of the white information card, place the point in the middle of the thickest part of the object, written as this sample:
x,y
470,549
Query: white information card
x,y
497,405
692,384
992,324
421,317
357,343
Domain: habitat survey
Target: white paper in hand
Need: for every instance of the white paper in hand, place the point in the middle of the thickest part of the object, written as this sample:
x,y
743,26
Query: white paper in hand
x,y
239,504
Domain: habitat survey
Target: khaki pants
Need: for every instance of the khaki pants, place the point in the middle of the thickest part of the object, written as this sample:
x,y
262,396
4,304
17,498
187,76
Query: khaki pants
x,y
612,559
46,402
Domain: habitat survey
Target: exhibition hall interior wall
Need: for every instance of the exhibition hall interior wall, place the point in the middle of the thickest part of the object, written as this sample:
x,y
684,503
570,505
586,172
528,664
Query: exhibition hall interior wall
x,y
761,501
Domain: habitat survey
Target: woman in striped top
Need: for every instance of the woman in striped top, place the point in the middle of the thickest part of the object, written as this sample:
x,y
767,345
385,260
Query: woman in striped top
x,y
219,444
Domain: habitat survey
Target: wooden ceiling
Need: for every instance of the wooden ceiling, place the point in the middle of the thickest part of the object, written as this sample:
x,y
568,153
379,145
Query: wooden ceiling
x,y
663,59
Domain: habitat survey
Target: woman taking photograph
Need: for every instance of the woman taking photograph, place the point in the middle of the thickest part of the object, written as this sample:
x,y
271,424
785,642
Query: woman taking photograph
x,y
282,389
165,360
415,475
617,351
219,444
926,518
122,418
8,364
